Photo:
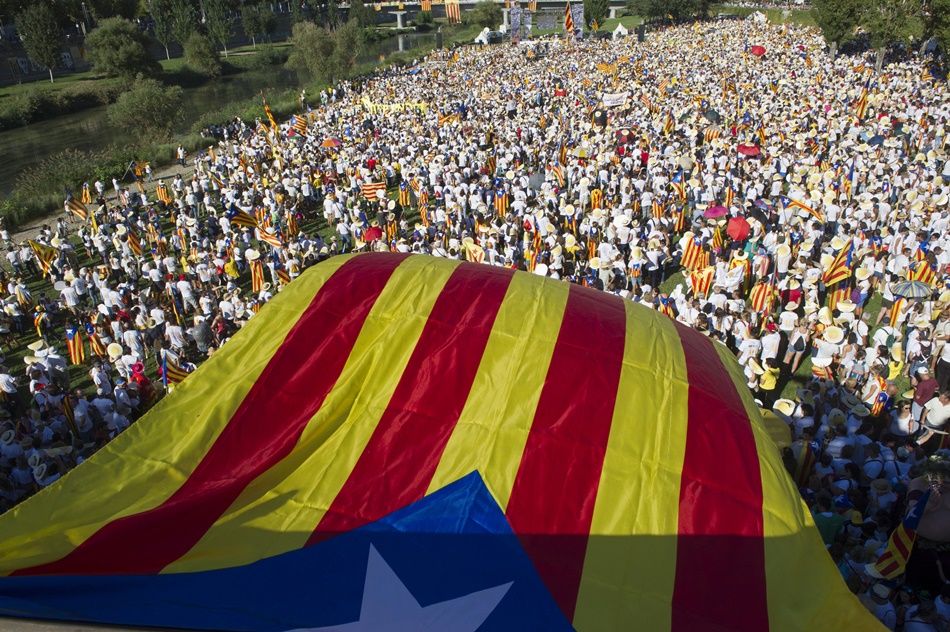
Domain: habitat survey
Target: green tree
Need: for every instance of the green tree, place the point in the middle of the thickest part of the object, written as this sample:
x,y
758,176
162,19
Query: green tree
x,y
424,17
117,48
296,12
596,11
219,25
251,22
201,56
485,13
268,21
66,12
364,16
333,14
348,42
114,8
312,49
150,110
161,11
41,36
886,21
327,56
940,22
184,20
679,9
837,20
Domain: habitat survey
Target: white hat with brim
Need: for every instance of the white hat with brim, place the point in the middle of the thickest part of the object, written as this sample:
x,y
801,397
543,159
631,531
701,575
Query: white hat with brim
x,y
756,367
860,411
784,406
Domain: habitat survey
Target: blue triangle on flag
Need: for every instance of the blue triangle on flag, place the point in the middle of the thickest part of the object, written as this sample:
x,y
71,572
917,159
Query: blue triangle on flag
x,y
453,544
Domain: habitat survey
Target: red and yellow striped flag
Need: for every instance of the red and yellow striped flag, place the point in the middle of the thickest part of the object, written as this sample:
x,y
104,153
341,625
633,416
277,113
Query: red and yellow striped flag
x,y
453,12
893,561
74,345
568,20
701,281
593,496
257,275
370,189
77,208
270,115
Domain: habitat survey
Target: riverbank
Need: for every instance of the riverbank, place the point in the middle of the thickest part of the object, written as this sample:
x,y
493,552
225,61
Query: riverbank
x,y
38,195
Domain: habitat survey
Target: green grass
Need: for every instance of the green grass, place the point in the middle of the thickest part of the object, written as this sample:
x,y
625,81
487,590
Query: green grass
x,y
629,22
797,16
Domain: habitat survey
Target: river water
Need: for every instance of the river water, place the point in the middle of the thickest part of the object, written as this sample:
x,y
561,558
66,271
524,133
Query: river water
x,y
90,129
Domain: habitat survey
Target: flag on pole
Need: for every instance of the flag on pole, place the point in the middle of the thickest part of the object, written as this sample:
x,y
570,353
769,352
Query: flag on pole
x,y
893,561
669,124
172,373
787,202
861,105
270,115
841,268
240,218
45,254
76,207
568,20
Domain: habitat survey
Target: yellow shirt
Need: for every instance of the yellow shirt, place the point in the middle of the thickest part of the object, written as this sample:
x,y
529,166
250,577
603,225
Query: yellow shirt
x,y
769,380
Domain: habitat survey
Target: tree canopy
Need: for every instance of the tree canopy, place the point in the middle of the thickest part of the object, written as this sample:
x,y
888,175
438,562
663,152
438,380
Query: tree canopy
x,y
486,14
837,20
149,110
327,56
41,36
117,48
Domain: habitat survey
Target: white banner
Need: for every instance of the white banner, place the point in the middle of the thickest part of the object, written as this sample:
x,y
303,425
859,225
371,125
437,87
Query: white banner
x,y
613,100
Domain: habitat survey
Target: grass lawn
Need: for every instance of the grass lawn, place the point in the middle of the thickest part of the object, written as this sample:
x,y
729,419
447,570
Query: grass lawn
x,y
798,16
59,84
629,22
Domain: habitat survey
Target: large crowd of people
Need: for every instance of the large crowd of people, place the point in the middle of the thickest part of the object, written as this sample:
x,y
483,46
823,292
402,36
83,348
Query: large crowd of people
x,y
794,192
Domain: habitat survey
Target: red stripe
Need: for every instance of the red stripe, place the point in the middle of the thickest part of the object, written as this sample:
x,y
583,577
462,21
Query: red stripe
x,y
901,545
556,486
399,461
292,383
720,554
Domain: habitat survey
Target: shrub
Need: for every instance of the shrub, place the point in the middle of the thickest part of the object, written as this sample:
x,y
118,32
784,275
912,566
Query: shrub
x,y
201,56
118,49
149,110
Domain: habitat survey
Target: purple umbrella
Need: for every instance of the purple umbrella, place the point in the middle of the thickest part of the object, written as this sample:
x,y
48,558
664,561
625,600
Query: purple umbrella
x,y
715,211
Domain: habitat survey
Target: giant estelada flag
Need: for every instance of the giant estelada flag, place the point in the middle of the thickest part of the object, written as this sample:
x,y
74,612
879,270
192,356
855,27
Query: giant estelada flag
x,y
407,443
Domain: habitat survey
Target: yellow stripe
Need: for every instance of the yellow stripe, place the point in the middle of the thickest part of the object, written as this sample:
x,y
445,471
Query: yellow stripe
x,y
628,581
280,509
805,590
144,465
492,430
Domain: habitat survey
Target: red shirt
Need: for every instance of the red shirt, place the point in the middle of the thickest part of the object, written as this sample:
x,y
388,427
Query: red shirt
x,y
925,391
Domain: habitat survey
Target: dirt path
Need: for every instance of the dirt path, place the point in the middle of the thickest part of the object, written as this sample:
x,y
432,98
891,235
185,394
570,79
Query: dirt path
x,y
168,173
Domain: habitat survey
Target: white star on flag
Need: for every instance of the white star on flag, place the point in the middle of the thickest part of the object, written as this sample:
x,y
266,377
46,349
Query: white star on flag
x,y
388,605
